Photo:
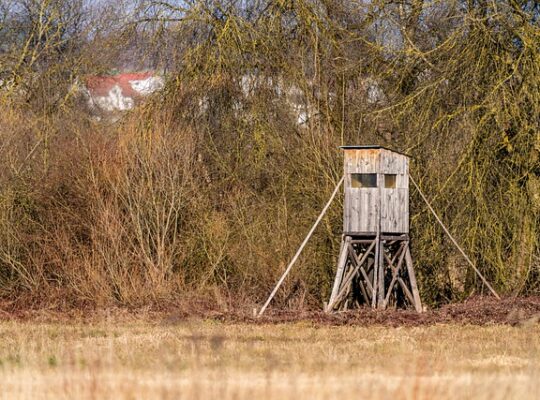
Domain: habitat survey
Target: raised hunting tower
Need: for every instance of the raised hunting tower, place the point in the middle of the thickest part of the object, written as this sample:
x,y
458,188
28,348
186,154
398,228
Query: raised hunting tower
x,y
375,264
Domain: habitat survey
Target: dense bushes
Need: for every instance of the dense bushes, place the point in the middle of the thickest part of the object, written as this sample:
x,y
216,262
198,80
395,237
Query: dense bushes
x,y
208,189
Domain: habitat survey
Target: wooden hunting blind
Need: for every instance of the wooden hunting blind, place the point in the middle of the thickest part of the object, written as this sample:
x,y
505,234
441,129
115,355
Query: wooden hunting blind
x,y
375,264
376,191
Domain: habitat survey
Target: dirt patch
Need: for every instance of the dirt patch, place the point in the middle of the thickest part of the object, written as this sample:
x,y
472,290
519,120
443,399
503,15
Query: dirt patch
x,y
475,311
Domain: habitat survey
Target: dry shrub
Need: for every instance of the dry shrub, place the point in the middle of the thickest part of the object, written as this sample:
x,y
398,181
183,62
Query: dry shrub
x,y
208,190
104,218
138,193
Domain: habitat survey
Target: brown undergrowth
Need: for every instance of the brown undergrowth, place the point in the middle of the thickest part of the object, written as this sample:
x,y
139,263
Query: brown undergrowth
x,y
207,190
514,311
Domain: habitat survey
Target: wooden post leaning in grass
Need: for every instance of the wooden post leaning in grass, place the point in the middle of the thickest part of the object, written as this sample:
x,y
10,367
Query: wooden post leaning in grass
x,y
299,251
375,244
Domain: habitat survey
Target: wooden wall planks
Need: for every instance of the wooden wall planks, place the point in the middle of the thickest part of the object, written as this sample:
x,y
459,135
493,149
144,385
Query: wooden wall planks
x,y
363,206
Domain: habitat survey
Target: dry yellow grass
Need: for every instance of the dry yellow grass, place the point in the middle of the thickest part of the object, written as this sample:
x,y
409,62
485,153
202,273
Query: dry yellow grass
x,y
206,359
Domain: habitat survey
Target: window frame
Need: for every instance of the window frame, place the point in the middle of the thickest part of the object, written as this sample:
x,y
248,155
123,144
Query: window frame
x,y
358,183
393,181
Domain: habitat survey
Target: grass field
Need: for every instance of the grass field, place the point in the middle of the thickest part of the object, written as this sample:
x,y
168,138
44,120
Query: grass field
x,y
205,359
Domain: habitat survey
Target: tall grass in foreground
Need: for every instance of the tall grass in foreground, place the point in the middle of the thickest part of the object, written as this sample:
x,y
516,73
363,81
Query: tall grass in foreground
x,y
198,359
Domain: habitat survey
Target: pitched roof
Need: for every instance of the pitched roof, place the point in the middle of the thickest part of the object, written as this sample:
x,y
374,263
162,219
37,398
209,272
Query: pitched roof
x,y
102,85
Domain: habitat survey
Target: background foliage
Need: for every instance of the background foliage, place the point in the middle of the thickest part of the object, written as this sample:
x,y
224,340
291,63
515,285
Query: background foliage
x,y
207,189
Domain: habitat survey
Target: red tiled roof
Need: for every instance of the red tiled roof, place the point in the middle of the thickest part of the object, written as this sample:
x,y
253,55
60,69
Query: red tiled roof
x,y
102,85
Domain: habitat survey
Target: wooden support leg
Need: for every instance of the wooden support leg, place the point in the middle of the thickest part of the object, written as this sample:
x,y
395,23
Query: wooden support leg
x,y
380,289
412,279
342,261
376,267
363,267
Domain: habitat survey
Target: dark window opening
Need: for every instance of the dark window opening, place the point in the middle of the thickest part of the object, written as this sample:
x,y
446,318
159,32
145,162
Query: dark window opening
x,y
363,180
390,181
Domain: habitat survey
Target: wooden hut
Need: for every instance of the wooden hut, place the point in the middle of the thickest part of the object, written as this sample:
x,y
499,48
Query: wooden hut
x,y
375,264
376,191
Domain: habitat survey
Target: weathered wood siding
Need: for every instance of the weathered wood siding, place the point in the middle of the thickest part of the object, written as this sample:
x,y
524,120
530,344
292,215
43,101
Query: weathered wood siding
x,y
363,205
395,202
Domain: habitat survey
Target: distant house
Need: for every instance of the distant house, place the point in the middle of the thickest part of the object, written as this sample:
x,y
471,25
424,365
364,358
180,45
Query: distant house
x,y
110,93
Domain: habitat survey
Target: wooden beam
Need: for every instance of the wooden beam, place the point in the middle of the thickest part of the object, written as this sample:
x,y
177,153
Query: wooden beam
x,y
406,291
365,293
454,240
299,251
359,263
412,279
380,289
340,270
376,273
394,275
350,276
